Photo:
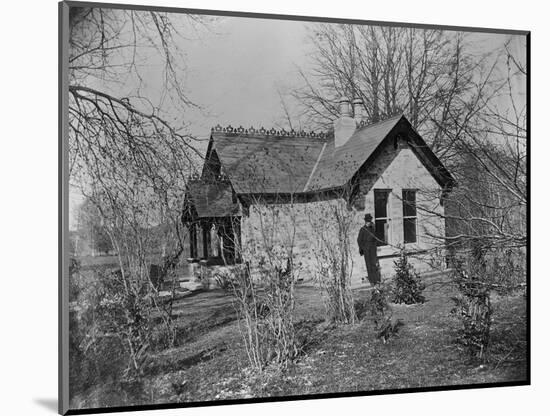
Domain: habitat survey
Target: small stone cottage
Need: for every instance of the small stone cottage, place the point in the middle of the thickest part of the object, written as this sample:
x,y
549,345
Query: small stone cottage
x,y
385,169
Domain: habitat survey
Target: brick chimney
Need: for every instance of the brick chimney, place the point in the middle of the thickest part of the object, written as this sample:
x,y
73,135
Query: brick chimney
x,y
344,126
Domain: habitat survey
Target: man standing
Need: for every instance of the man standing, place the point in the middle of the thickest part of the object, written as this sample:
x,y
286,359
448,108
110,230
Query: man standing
x,y
367,248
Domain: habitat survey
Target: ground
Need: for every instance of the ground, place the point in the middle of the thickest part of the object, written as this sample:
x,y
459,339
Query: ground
x,y
210,363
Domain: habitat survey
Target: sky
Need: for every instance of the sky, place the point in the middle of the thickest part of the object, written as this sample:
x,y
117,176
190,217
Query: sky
x,y
235,74
235,68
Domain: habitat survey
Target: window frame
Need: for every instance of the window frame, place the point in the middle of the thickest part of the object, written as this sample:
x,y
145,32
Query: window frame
x,y
406,204
386,219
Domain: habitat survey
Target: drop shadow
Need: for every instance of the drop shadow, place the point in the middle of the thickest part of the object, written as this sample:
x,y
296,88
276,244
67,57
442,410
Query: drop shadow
x,y
49,404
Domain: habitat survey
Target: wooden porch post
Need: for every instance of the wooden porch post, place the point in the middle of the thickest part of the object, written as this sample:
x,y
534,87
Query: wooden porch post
x,y
192,241
205,239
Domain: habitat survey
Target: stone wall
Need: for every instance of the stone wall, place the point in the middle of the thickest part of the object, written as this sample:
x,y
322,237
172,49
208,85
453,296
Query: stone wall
x,y
303,225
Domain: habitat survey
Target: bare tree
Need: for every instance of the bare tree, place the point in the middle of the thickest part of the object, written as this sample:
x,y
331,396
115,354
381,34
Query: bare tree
x,y
490,202
120,136
468,109
129,154
422,73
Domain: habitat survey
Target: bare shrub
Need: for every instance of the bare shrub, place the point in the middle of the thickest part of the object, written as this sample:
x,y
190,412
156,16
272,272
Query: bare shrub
x,y
331,225
263,288
223,280
265,313
204,275
508,270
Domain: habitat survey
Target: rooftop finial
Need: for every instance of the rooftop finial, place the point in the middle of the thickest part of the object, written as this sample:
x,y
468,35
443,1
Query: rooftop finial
x,y
262,131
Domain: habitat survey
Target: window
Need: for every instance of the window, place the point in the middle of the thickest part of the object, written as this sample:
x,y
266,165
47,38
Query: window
x,y
409,216
381,216
199,241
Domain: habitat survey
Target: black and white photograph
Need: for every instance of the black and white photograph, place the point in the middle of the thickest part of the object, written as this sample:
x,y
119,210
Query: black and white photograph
x,y
267,207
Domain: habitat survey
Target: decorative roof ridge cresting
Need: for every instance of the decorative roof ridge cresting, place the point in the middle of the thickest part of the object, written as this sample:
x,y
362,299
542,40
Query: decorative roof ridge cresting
x,y
264,132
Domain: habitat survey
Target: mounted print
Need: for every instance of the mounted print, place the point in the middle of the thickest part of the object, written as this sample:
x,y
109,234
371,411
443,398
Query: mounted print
x,y
259,207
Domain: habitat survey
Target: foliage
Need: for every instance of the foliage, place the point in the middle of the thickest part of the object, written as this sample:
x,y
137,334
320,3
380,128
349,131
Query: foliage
x,y
114,329
385,326
508,271
113,308
223,279
74,274
478,272
380,310
473,306
407,285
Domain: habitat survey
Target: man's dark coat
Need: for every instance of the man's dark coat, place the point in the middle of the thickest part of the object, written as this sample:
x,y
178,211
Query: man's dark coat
x,y
367,248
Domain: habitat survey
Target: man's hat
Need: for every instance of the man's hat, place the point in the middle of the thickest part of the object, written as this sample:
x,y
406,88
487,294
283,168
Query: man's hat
x,y
368,217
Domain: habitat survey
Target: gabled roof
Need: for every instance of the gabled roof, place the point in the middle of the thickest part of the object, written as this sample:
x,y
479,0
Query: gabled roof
x,y
279,162
210,199
336,166
267,163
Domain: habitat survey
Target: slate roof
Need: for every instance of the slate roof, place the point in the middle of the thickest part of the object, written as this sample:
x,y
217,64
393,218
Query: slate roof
x,y
279,162
336,166
211,199
267,163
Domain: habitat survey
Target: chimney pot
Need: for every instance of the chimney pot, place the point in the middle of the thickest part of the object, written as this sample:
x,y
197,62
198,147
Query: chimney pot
x,y
358,110
345,110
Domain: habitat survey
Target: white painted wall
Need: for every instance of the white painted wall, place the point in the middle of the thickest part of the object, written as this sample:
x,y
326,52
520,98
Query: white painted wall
x,y
407,172
298,224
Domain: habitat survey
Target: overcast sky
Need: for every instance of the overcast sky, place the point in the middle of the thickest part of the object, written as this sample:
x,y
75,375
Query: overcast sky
x,y
235,73
234,70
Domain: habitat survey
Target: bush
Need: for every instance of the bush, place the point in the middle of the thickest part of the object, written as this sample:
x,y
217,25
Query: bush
x,y
508,271
74,274
224,280
380,310
266,313
473,305
112,333
204,277
407,286
333,267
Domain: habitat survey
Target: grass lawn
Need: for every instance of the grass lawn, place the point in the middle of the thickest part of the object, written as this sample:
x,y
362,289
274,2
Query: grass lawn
x,y
212,364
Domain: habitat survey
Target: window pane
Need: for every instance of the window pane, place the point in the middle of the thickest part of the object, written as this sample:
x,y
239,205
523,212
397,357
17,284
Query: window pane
x,y
409,203
409,230
380,204
381,232
200,243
